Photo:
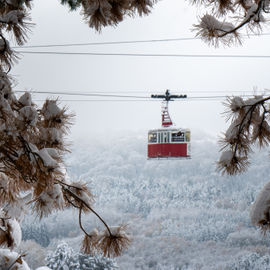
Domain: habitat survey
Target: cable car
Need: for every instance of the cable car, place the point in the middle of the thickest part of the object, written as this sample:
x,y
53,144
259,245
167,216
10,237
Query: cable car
x,y
168,142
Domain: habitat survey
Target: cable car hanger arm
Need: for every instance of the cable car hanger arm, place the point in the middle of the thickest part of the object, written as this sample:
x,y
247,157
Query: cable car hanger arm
x,y
168,96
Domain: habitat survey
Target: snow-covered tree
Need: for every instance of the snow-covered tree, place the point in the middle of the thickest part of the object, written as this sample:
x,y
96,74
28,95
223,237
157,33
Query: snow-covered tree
x,y
221,22
32,145
64,258
61,258
250,124
32,172
35,253
38,233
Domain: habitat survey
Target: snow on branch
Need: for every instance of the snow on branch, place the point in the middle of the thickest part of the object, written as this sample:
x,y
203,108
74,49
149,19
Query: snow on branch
x,y
249,125
14,20
260,210
211,30
32,145
249,13
31,160
12,260
102,13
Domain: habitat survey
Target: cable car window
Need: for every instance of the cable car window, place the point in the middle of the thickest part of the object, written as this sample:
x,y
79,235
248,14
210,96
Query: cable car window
x,y
178,136
188,136
161,137
152,137
158,137
165,137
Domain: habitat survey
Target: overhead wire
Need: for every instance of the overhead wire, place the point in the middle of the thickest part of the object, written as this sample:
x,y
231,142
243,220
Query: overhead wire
x,y
132,54
108,94
147,55
135,100
85,94
124,98
148,92
122,101
105,43
118,42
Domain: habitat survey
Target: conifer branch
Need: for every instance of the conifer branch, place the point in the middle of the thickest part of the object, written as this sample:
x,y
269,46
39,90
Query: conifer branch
x,y
82,202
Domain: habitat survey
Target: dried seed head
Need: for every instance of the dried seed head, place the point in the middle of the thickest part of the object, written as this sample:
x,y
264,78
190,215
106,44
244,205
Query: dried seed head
x,y
90,243
113,245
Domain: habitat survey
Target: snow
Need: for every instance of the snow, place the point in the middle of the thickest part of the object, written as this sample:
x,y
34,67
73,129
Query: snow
x,y
33,148
29,115
209,22
16,232
65,258
236,103
251,12
181,214
5,105
226,157
7,258
115,230
55,134
26,99
13,16
4,181
47,155
232,131
51,135
259,126
261,206
52,198
253,100
51,110
18,208
80,189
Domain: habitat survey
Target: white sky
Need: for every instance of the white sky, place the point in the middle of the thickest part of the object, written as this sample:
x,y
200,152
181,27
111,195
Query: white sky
x,y
169,19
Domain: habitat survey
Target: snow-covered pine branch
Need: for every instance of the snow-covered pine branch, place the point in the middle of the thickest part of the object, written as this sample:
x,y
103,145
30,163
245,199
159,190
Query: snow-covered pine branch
x,y
31,162
260,209
249,125
228,16
32,146
249,13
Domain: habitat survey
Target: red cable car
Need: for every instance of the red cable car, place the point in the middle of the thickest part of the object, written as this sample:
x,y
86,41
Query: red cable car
x,y
168,142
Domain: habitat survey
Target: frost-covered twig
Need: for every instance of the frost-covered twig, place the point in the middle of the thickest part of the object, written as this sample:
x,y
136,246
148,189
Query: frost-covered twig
x,y
18,260
214,31
249,125
86,205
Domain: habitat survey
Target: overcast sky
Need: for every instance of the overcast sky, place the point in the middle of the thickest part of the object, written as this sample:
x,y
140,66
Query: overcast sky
x,y
137,75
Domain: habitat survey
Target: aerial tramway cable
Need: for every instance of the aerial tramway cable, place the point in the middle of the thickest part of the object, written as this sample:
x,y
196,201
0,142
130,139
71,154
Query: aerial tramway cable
x,y
118,42
148,54
124,98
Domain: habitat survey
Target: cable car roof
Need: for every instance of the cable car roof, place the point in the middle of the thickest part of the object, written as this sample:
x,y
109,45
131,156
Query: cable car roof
x,y
168,129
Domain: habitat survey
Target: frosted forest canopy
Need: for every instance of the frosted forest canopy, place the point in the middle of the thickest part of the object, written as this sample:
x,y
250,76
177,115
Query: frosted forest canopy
x,y
180,213
33,145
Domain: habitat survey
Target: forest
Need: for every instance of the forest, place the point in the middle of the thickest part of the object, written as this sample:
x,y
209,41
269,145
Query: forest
x,y
181,214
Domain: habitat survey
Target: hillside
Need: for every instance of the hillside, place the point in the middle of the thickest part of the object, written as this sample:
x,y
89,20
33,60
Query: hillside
x,y
182,214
